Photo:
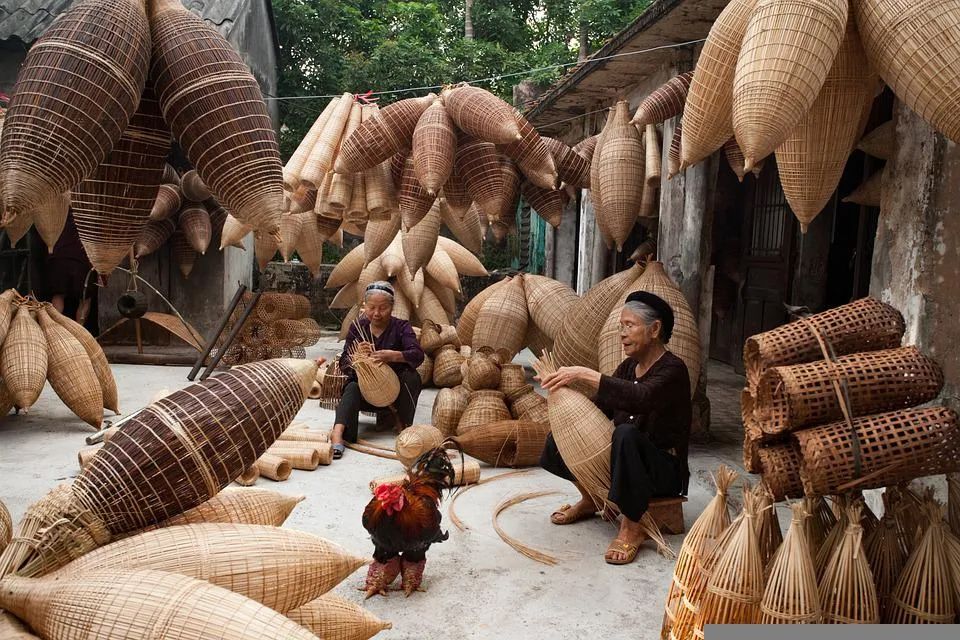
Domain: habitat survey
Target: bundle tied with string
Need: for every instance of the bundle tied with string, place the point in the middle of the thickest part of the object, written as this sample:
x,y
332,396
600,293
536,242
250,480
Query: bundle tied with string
x,y
173,455
847,591
688,577
790,595
379,384
886,554
769,535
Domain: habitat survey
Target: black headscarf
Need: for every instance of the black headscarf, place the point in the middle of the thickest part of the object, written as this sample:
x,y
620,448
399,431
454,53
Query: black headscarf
x,y
661,310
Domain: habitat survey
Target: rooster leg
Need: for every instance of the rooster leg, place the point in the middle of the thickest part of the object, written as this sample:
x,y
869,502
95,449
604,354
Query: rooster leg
x,y
381,575
411,572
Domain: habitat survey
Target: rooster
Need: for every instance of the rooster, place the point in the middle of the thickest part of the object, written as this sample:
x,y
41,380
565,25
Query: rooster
x,y
404,520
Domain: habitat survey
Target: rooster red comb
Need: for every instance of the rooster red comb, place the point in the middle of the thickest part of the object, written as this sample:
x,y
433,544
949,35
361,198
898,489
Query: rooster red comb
x,y
390,497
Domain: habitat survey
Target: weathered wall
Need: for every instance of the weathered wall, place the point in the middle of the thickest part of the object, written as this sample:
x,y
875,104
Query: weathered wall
x,y
916,259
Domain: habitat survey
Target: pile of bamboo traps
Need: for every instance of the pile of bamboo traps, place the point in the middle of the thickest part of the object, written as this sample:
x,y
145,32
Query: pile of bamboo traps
x,y
39,344
424,268
279,327
112,131
832,404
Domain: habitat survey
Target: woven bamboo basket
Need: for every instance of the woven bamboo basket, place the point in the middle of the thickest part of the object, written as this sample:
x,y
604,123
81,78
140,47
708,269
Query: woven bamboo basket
x,y
291,171
280,568
305,456
111,207
482,115
426,371
386,133
193,187
101,368
415,441
620,164
273,467
430,340
547,203
812,158
502,321
240,506
304,434
24,359
821,556
419,242
576,341
160,463
478,164
6,527
548,302
455,191
194,222
380,191
586,147
685,342
265,247
279,306
448,408
130,602
13,629
912,45
378,235
466,473
886,555
572,168
80,84
7,310
793,397
895,446
819,523
509,443
780,466
230,140
483,407
341,188
463,260
953,502
790,595
482,373
924,593
233,233
168,201
153,236
652,161
769,535
465,228
532,156
70,372
847,592
787,52
333,618
468,318
664,102
249,477
347,270
689,575
513,379
291,225
357,211
434,143
530,406
333,382
879,143
443,271
316,169
185,257
379,384
863,325
869,193
49,219
415,202
310,242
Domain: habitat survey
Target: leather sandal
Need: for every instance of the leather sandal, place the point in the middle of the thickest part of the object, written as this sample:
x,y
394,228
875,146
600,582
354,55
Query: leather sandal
x,y
628,550
559,517
338,450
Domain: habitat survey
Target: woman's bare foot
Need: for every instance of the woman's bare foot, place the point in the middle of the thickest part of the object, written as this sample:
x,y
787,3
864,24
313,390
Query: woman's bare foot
x,y
623,549
569,514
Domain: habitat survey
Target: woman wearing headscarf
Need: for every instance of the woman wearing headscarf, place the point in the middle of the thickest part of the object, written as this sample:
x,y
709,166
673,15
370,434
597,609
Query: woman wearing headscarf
x,y
394,344
648,399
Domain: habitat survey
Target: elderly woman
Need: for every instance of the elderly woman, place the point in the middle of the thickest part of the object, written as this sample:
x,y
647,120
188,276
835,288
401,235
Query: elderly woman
x,y
648,399
394,344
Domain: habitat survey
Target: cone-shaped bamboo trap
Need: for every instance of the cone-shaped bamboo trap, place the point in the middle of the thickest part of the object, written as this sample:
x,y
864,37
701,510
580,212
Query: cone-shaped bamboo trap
x,y
847,591
23,358
333,618
481,114
70,372
886,555
791,596
379,384
101,368
508,443
769,535
620,165
468,318
240,506
386,133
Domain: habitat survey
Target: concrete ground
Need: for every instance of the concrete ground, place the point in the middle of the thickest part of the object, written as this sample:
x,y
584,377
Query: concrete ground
x,y
477,586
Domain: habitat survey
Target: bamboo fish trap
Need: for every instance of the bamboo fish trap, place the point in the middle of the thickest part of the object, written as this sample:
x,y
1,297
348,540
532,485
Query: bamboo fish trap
x,y
502,320
665,102
847,592
468,318
332,618
481,114
168,458
280,568
78,88
240,506
415,441
6,527
791,596
379,384
448,408
138,604
507,443
620,160
886,555
70,372
23,358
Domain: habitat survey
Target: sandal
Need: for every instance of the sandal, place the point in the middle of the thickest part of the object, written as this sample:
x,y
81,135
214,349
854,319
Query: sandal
x,y
625,548
559,517
338,450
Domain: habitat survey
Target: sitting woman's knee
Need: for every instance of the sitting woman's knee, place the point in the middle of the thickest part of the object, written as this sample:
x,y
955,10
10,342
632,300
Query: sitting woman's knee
x,y
626,433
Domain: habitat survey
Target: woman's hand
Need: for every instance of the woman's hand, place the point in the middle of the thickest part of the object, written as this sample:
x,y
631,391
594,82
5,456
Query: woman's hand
x,y
321,361
387,356
565,376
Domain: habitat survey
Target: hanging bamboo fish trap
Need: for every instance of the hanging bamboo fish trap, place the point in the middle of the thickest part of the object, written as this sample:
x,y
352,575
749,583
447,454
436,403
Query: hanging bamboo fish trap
x,y
847,591
386,133
70,371
620,160
455,192
664,102
788,50
23,358
547,203
572,168
434,143
548,302
160,463
153,236
184,256
50,607
420,241
790,595
481,114
586,148
280,568
869,193
879,143
112,206
230,140
502,320
195,224
532,156
378,235
478,164
193,187
415,202
465,228
79,87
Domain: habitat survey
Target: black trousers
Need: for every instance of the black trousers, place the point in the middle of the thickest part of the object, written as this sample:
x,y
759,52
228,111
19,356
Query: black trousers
x,y
639,470
352,403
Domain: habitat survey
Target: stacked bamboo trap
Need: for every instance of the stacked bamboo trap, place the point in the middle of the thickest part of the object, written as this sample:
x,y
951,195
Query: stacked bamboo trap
x,y
95,105
37,345
279,327
832,404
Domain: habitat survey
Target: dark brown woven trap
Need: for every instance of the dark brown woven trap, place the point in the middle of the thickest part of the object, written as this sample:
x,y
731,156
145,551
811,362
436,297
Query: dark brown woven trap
x,y
780,466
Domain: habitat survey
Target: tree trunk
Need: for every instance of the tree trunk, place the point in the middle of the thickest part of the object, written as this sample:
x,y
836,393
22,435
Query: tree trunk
x,y
468,19
584,41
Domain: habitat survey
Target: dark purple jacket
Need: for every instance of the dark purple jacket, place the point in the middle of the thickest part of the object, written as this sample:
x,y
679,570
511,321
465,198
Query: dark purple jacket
x,y
398,336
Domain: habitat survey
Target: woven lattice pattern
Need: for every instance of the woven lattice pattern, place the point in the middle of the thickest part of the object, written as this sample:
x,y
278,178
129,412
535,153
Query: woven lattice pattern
x,y
386,133
76,92
787,51
548,302
529,405
620,165
214,106
863,325
532,156
548,203
466,228
847,592
434,145
665,102
101,368
481,114
315,171
23,358
791,595
478,164
420,241
168,200
502,321
483,407
195,225
415,441
448,408
442,270
415,202
780,467
468,319
572,168
893,447
153,236
184,255
508,443
70,371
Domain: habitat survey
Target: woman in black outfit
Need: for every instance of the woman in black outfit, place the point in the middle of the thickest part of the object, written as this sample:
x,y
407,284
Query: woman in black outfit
x,y
648,399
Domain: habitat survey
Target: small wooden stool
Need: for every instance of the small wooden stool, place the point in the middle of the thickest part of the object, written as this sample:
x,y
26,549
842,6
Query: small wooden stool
x,y
668,513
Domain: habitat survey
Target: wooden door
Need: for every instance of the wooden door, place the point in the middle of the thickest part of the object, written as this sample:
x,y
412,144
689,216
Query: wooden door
x,y
769,231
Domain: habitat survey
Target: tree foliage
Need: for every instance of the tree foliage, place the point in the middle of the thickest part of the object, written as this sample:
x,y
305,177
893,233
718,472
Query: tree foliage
x,y
330,47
